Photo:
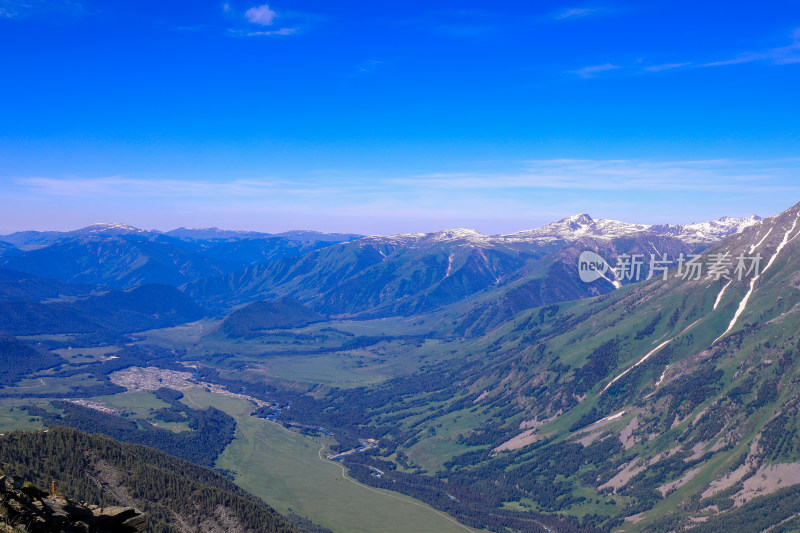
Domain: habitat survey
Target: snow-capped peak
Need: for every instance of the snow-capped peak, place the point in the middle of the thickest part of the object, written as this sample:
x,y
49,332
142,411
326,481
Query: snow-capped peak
x,y
576,227
583,219
580,226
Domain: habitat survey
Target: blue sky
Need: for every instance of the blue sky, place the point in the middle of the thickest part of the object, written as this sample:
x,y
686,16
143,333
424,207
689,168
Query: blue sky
x,y
383,117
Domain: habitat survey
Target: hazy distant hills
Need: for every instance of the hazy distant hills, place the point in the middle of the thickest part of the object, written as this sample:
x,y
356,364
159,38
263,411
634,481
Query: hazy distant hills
x,y
216,234
121,256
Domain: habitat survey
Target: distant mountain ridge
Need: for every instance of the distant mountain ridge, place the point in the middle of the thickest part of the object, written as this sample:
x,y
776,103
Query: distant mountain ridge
x,y
349,275
121,256
31,240
411,273
570,228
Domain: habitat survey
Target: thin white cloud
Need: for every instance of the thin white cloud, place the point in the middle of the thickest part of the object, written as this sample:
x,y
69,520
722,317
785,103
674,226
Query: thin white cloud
x,y
262,15
20,8
720,175
122,186
282,31
630,175
574,13
667,66
593,70
782,55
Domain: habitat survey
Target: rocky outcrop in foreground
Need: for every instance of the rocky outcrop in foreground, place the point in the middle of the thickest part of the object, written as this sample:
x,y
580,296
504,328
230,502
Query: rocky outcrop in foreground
x,y
25,507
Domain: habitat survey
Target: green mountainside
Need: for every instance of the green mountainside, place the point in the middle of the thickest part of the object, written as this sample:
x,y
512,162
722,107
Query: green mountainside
x,y
660,406
409,275
104,314
15,285
257,317
176,496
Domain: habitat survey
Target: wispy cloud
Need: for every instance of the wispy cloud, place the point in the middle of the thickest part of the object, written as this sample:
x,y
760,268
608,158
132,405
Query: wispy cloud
x,y
282,31
21,8
261,15
122,186
712,175
593,70
576,12
667,66
723,175
782,55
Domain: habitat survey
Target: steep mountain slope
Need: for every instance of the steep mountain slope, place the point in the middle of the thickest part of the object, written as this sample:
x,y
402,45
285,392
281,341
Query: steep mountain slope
x,y
657,407
176,496
248,252
399,274
553,279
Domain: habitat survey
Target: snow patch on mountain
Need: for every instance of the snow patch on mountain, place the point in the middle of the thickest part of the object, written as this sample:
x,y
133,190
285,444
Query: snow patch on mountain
x,y
458,234
115,227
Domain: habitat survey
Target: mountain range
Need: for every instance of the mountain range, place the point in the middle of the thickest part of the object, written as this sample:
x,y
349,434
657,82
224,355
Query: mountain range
x,y
412,273
540,401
